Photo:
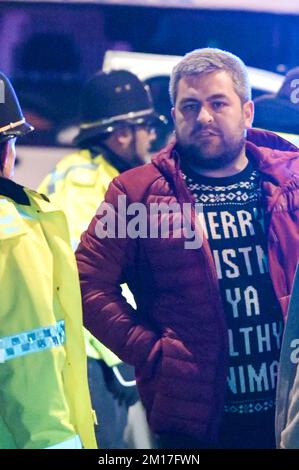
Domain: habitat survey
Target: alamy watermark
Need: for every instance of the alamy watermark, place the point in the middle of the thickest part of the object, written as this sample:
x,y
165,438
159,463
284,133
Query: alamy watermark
x,y
2,92
154,220
294,97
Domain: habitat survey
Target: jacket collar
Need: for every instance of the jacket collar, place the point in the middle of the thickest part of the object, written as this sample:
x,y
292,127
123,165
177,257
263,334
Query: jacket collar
x,y
271,155
274,157
14,191
24,196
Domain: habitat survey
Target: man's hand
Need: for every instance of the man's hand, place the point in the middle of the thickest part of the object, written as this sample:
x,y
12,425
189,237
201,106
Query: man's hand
x,y
120,381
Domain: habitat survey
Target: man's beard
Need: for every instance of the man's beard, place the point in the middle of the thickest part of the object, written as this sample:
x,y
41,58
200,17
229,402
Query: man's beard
x,y
195,155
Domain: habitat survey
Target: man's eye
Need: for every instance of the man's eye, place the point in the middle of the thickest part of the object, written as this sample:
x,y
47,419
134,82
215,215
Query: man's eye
x,y
217,104
190,107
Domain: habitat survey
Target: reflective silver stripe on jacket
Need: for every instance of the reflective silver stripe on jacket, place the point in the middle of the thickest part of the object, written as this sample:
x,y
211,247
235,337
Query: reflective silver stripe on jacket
x,y
72,443
32,341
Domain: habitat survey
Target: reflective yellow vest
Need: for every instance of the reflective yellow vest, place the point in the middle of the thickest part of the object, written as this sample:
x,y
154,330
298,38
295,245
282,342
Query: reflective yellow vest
x,y
44,397
78,185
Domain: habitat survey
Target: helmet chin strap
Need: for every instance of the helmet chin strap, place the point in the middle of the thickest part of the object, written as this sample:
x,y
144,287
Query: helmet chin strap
x,y
135,158
3,157
7,158
134,141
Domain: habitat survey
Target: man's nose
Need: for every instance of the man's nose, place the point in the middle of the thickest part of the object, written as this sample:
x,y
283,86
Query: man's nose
x,y
204,116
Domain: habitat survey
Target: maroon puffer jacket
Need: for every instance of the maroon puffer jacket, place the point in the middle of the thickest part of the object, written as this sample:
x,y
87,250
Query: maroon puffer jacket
x,y
177,337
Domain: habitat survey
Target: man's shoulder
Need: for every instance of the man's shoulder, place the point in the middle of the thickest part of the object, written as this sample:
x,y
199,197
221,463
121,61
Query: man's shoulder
x,y
138,180
40,202
273,154
148,170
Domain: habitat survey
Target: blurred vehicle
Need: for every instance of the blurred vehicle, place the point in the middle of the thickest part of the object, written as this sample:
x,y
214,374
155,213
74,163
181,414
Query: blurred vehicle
x,y
147,66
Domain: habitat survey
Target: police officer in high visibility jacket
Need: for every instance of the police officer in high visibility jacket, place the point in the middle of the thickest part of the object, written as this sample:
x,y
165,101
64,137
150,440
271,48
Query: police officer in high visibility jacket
x,y
117,124
44,397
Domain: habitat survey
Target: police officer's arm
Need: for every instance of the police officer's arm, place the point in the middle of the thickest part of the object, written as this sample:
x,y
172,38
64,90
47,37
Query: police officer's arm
x,y
101,263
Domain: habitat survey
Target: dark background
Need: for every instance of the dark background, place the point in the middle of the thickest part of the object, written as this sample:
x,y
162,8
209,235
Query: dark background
x,y
49,50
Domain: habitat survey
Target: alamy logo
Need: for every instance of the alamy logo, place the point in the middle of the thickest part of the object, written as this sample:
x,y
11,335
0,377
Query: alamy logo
x,y
295,93
2,92
294,356
156,220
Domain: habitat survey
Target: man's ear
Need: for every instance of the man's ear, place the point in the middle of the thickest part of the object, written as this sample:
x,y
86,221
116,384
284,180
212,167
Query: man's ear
x,y
122,135
248,110
119,140
173,114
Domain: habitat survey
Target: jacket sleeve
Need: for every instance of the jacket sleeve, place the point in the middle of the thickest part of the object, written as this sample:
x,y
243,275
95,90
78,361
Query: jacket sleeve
x,y
287,399
103,264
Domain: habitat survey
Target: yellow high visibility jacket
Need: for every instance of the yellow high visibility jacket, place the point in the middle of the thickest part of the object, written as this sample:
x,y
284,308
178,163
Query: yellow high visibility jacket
x,y
78,185
44,396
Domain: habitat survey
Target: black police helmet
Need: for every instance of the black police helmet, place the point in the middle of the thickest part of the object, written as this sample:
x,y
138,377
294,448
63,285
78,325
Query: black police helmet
x,y
12,121
111,99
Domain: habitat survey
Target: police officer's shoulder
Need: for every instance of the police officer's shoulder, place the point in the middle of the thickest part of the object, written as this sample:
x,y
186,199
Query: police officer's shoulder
x,y
38,195
45,198
73,159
